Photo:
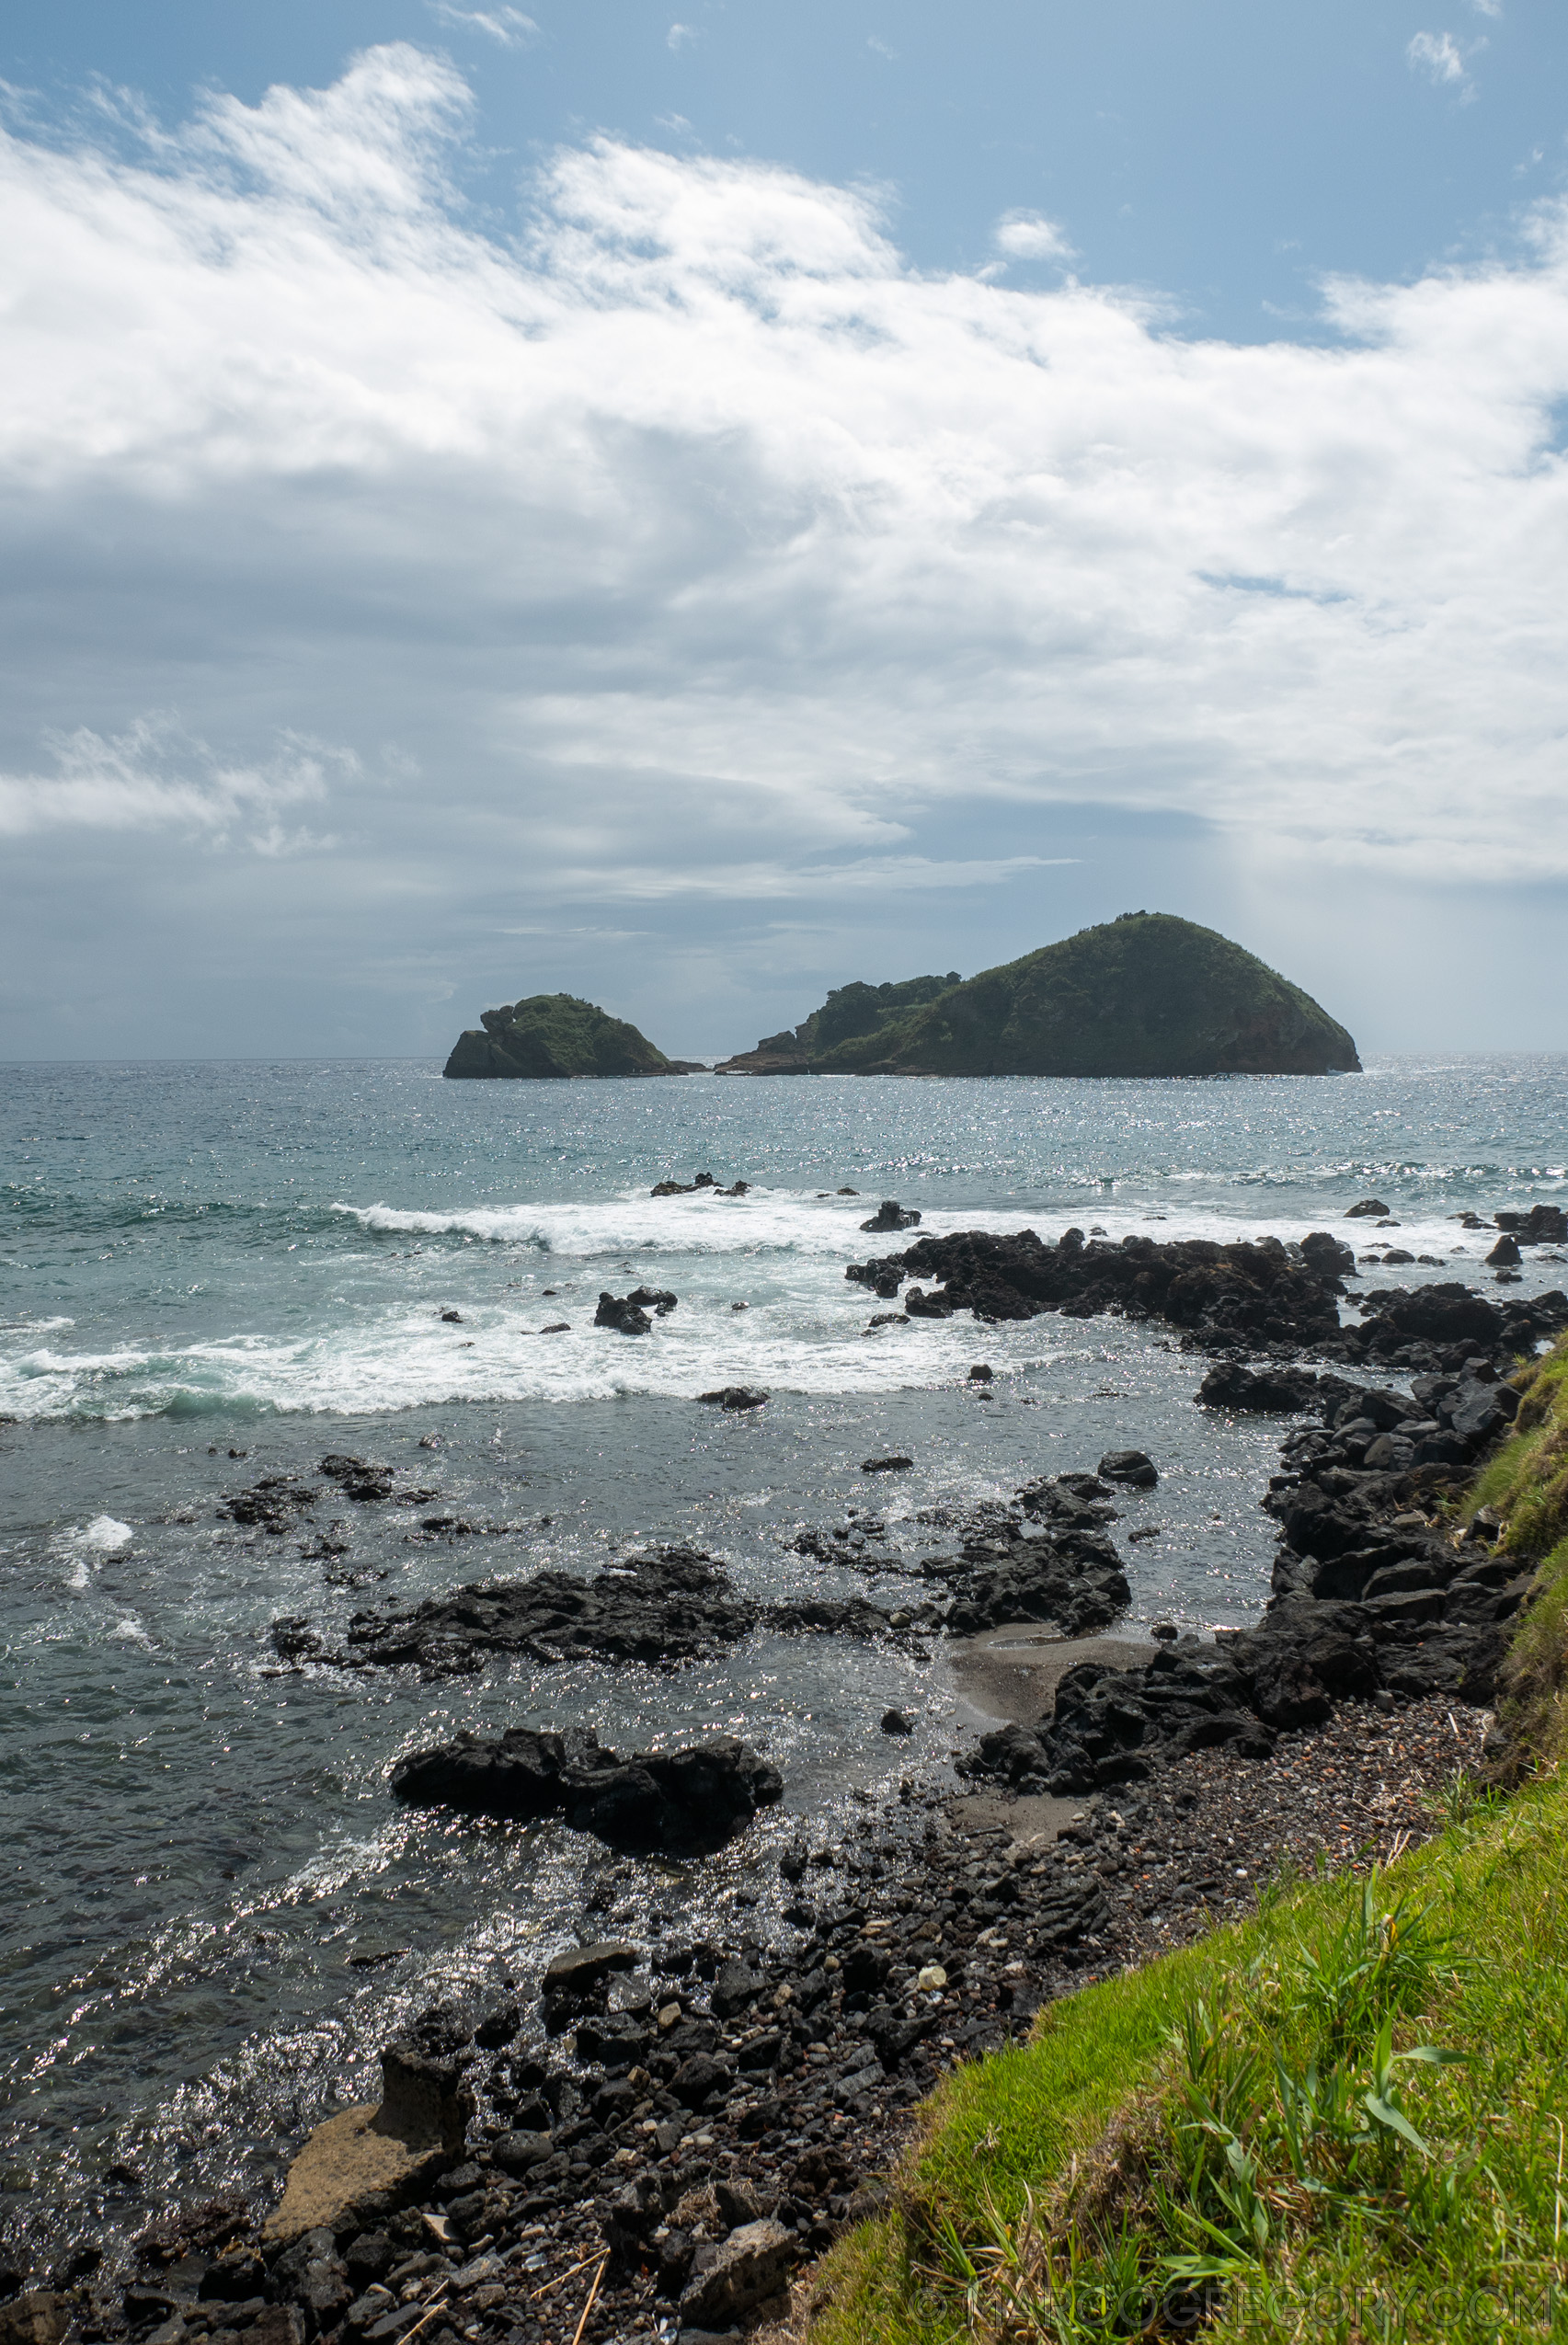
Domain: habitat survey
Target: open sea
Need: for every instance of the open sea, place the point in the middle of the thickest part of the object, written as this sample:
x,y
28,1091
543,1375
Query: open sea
x,y
213,1913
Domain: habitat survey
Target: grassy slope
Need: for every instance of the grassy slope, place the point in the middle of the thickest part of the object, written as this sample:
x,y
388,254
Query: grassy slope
x,y
1148,994
1527,1484
1456,2238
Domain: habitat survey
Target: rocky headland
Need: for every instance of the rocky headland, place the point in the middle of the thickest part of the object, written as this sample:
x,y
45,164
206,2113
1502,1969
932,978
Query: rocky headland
x,y
1144,995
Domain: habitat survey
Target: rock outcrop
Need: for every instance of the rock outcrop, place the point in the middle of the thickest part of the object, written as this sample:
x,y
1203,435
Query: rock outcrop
x,y
1220,1296
1143,995
666,1610
553,1037
688,1800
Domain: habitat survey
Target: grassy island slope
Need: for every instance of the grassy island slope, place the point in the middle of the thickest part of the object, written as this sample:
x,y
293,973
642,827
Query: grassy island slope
x,y
1255,2128
555,1036
850,1013
1143,995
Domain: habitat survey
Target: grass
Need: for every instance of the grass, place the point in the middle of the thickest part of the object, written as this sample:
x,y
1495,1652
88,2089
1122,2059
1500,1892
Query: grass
x,y
1342,2120
1527,1484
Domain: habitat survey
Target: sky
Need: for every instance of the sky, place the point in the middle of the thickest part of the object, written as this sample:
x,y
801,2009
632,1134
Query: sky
x,y
691,510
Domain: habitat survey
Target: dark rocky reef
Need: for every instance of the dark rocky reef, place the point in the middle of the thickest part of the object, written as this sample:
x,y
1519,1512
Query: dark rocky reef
x,y
670,1607
685,1801
1143,995
664,1610
1220,1296
1044,1557
1374,1597
1219,1293
553,1037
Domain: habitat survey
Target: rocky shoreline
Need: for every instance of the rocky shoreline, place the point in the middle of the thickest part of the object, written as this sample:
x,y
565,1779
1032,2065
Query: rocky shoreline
x,y
657,2134
658,2139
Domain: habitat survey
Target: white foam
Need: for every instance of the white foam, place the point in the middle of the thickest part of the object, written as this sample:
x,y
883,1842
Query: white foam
x,y
774,1220
85,1546
783,1253
103,1531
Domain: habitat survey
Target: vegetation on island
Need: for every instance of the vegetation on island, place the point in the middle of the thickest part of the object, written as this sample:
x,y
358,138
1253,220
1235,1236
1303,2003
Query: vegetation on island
x,y
554,1037
850,1014
1343,2118
1146,994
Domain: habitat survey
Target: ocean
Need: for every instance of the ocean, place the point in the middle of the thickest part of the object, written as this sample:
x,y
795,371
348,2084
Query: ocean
x,y
214,1914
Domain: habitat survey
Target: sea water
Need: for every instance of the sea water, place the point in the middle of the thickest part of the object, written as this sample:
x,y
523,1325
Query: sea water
x,y
213,1913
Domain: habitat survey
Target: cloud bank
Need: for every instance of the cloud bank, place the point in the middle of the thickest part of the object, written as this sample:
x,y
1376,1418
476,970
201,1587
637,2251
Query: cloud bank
x,y
689,535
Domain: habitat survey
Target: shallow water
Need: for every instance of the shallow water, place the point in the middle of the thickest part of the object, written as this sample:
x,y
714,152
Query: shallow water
x,y
215,1914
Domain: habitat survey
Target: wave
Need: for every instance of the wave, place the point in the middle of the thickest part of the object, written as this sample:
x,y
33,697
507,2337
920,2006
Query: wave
x,y
405,1362
780,1253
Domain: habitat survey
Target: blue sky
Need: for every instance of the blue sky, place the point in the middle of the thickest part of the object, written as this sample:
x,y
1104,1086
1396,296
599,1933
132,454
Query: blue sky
x,y
697,506
1223,153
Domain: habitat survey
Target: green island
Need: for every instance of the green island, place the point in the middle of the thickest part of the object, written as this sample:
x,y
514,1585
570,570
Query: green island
x,y
555,1037
1144,995
1342,2119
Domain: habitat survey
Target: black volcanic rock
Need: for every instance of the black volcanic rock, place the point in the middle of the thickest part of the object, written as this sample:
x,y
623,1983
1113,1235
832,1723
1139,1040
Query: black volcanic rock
x,y
667,1608
695,1798
670,1607
1071,1579
629,1313
1222,1294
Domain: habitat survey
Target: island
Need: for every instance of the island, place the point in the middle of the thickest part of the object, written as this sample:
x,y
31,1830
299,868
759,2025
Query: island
x,y
555,1037
1146,994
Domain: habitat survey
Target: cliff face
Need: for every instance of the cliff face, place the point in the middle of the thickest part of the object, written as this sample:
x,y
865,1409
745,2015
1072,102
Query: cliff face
x,y
849,1013
1144,995
555,1035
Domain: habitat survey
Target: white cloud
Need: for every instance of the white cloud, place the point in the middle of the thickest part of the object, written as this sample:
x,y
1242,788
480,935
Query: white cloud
x,y
877,875
508,26
697,536
678,35
154,776
882,48
1029,236
1436,54
1487,7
